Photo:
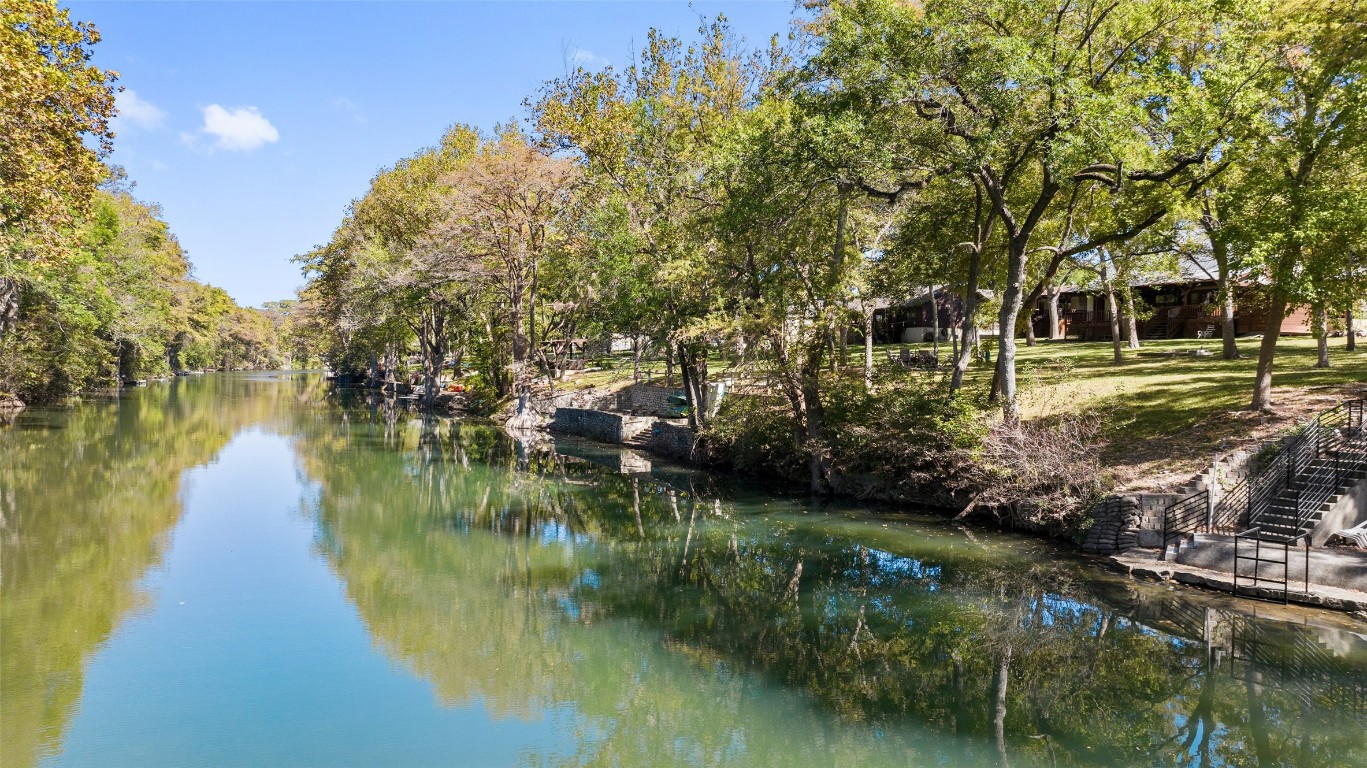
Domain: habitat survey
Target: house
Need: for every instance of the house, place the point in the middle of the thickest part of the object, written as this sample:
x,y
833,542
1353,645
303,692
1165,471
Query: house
x,y
911,321
1185,305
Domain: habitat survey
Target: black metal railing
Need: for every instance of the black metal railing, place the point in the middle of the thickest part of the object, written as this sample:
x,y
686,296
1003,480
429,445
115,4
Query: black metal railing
x,y
1231,509
1183,517
1290,474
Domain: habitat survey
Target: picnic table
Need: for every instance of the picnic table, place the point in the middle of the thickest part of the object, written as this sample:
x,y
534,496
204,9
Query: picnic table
x,y
921,359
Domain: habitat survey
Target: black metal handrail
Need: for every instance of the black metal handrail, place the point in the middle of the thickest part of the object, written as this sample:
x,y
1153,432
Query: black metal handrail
x,y
1336,431
1231,509
1185,516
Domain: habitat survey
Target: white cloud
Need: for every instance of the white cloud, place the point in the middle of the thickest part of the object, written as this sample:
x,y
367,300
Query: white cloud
x,y
241,129
135,111
583,58
351,108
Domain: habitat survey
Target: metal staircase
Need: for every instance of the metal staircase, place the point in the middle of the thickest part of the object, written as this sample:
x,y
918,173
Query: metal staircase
x,y
1277,507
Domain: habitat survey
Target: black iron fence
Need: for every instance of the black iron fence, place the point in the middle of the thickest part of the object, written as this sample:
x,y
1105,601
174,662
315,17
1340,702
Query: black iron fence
x,y
1183,517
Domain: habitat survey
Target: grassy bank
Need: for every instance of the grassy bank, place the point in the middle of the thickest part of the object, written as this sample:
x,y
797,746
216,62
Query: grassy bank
x,y
1166,417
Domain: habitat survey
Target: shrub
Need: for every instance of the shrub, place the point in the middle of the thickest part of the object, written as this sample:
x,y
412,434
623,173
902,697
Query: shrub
x,y
754,433
1041,475
908,434
906,437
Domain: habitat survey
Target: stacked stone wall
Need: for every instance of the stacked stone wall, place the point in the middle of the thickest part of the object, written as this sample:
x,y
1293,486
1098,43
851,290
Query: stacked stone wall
x,y
646,399
603,426
673,440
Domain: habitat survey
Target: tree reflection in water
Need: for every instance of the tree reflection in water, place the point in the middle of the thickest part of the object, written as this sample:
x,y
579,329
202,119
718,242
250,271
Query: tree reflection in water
x,y
88,498
690,622
672,616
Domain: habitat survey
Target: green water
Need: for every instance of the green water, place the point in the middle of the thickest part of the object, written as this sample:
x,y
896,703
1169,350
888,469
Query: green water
x,y
237,570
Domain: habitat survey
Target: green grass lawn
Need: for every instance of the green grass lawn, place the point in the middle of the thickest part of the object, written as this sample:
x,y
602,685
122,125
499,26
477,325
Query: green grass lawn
x,y
1165,417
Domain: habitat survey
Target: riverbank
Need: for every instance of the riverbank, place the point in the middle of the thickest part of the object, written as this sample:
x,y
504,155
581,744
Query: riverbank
x,y
1161,416
1139,474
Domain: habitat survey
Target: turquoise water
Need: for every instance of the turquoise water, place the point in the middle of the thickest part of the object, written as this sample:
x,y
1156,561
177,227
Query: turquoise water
x,y
250,569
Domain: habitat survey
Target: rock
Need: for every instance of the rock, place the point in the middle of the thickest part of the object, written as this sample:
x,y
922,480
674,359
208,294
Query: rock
x,y
10,403
525,421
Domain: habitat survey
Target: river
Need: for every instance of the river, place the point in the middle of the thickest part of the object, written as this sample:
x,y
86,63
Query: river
x,y
253,569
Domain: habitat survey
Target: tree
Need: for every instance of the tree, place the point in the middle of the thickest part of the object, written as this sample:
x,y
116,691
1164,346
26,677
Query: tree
x,y
645,133
54,132
504,209
1313,122
1034,102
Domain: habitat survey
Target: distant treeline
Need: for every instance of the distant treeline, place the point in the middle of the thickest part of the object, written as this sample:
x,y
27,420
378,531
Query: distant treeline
x,y
94,288
123,305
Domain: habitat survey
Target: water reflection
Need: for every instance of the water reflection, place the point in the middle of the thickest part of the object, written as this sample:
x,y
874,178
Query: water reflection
x,y
648,614
88,496
509,557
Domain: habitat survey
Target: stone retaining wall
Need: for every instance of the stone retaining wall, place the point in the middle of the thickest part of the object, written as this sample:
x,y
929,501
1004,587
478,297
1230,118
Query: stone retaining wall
x,y
674,440
603,426
646,399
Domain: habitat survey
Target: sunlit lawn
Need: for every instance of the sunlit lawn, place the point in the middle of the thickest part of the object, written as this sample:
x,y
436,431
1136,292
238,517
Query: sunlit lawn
x,y
1163,415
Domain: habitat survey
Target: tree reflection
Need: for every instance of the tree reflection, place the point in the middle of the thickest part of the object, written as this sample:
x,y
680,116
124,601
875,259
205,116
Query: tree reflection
x,y
524,578
88,497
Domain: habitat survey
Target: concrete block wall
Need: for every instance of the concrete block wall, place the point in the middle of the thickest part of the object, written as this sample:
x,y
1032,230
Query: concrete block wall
x,y
1151,507
1347,511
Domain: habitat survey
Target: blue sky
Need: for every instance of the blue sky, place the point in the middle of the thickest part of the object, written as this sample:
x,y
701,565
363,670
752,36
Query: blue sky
x,y
253,124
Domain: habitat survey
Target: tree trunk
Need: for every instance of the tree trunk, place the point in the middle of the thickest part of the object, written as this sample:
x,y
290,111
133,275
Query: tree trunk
x,y
9,305
1108,289
1348,327
1032,299
934,322
1115,323
1055,332
970,314
1230,346
1006,330
868,350
816,423
432,340
693,370
1322,335
521,377
1131,322
1262,383
999,711
636,359
953,341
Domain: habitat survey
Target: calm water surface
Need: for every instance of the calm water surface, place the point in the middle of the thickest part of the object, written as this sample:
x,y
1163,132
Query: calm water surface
x,y
240,569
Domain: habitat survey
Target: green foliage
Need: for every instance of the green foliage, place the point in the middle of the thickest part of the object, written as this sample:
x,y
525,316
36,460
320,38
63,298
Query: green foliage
x,y
55,128
121,306
907,435
908,432
755,434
